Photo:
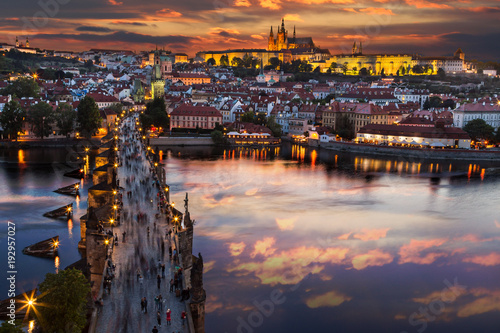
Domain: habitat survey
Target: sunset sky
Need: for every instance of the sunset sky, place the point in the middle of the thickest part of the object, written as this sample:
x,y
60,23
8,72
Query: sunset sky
x,y
428,27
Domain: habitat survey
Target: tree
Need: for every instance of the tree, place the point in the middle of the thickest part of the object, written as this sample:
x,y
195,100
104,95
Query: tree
x,y
344,68
211,62
417,69
275,128
218,137
247,60
479,129
224,60
247,117
344,128
65,296
12,119
275,62
88,117
23,87
427,104
89,64
363,72
237,62
333,65
9,328
435,101
382,72
441,73
317,69
497,135
41,117
155,114
66,117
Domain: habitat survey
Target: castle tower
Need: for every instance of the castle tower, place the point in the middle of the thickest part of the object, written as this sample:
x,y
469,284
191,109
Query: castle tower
x,y
17,42
270,43
354,49
27,42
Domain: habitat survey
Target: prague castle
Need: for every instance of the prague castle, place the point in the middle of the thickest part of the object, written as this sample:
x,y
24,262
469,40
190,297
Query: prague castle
x,y
288,49
283,43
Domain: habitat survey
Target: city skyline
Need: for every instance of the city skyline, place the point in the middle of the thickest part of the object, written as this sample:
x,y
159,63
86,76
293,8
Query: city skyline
x,y
410,26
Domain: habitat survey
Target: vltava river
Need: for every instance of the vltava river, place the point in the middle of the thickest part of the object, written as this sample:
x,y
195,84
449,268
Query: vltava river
x,y
300,240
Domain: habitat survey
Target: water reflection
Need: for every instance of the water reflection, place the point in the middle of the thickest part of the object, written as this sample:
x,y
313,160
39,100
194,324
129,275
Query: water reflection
x,y
343,238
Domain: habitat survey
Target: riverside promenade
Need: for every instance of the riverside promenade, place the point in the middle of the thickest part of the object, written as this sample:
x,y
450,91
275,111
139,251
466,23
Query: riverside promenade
x,y
144,249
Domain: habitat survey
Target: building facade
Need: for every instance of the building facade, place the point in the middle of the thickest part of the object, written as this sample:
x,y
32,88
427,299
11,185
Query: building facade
x,y
188,116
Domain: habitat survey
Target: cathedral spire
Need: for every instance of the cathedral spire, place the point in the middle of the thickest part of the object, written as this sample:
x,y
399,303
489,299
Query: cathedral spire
x,y
271,33
294,34
360,47
283,25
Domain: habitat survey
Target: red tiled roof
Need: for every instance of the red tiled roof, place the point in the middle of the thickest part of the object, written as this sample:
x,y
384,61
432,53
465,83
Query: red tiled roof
x,y
194,110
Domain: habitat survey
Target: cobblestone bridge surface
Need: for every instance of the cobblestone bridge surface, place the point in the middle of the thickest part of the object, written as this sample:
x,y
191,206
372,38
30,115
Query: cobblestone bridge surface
x,y
141,252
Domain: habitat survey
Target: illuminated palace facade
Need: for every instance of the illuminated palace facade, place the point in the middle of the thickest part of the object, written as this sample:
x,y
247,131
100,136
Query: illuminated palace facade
x,y
287,49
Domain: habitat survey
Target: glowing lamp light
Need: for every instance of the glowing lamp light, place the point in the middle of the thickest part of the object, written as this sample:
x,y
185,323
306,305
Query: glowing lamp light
x,y
114,192
55,244
173,204
106,241
77,186
69,209
115,207
166,189
87,148
116,165
156,164
149,148
112,221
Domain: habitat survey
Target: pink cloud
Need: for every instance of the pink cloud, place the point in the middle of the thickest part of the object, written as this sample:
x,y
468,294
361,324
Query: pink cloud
x,y
491,259
344,236
115,3
371,258
411,253
329,299
371,234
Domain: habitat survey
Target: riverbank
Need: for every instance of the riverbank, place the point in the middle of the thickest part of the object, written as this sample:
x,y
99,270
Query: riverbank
x,y
50,143
413,153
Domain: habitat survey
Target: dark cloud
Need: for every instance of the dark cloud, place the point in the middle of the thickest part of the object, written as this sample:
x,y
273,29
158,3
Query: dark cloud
x,y
93,29
138,24
122,36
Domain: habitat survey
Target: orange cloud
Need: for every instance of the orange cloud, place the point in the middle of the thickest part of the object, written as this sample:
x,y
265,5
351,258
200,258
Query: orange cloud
x,y
490,302
351,10
235,249
372,258
319,2
497,224
376,11
211,202
427,4
271,4
331,298
11,19
207,267
253,191
286,224
115,3
168,13
222,31
264,247
291,266
411,253
293,17
491,259
256,37
344,236
242,3
373,234
482,9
